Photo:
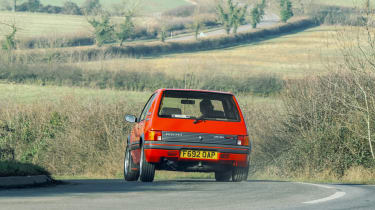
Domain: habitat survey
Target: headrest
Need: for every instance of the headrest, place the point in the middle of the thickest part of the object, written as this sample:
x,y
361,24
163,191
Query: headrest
x,y
170,111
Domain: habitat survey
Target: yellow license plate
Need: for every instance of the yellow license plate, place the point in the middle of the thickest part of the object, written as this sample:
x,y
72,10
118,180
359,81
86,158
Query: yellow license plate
x,y
198,154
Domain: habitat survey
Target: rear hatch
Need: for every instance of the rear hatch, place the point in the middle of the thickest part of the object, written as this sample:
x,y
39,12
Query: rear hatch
x,y
199,117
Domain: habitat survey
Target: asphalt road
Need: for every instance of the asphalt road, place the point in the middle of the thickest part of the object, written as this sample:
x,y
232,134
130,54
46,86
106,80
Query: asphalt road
x,y
189,194
268,20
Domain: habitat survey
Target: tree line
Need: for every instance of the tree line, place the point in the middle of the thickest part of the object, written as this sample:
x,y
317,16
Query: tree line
x,y
230,15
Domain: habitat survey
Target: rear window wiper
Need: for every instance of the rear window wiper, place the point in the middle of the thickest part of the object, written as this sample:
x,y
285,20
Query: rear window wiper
x,y
201,118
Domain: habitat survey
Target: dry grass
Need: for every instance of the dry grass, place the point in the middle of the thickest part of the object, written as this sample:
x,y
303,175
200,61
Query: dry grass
x,y
354,175
74,135
359,175
29,94
345,3
290,56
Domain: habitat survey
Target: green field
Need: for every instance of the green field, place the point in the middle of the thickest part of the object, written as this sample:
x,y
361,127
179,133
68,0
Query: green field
x,y
31,25
42,24
147,5
57,25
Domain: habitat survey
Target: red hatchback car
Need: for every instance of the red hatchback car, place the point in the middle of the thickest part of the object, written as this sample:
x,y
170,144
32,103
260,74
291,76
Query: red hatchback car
x,y
188,130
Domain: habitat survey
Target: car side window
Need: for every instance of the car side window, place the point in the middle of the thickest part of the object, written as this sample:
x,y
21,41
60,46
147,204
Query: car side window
x,y
146,108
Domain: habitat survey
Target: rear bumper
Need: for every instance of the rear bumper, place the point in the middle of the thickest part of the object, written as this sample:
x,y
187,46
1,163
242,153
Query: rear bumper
x,y
227,154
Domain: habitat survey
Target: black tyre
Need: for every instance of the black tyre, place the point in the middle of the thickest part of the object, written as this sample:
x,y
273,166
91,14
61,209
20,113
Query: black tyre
x,y
223,176
147,170
240,174
130,174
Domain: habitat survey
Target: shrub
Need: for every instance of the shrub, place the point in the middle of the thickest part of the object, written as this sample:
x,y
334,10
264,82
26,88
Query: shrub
x,y
51,9
103,30
67,137
286,11
318,129
335,15
33,5
132,80
71,8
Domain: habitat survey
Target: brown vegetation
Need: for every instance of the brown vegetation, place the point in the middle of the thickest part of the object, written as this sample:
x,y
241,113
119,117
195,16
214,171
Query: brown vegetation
x,y
68,137
316,130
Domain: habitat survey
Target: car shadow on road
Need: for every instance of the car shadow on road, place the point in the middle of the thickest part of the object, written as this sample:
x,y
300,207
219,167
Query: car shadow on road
x,y
84,186
103,186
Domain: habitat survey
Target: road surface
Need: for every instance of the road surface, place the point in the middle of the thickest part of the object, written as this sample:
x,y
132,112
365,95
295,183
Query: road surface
x,y
268,20
188,194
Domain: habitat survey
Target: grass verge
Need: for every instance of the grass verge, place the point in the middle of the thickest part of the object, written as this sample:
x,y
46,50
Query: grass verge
x,y
354,175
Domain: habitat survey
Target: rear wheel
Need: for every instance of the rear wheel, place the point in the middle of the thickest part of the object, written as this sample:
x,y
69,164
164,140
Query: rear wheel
x,y
240,174
147,170
223,176
131,172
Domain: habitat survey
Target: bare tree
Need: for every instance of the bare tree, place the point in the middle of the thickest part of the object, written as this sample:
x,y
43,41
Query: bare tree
x,y
359,60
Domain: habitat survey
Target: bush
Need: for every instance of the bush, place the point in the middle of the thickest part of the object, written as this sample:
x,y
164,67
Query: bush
x,y
48,42
71,8
66,137
132,80
51,9
318,129
335,15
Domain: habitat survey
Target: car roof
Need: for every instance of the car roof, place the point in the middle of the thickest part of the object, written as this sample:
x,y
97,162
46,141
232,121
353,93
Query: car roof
x,y
194,90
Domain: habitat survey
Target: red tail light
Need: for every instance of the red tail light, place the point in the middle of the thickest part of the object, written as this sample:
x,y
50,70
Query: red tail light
x,y
243,140
153,136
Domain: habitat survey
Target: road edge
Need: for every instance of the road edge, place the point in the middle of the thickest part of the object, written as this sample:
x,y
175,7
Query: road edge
x,y
25,181
338,193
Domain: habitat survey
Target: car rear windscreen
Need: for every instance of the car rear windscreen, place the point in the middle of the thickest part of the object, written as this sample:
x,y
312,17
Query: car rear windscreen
x,y
198,105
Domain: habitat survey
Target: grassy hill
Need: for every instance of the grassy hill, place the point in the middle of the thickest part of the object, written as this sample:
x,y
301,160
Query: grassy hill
x,y
290,56
42,24
52,25
148,5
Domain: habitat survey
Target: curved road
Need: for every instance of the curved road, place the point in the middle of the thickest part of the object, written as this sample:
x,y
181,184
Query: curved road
x,y
268,20
189,194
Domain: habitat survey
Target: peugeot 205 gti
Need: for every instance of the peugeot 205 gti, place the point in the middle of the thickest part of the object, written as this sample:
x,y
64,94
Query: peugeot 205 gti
x,y
188,130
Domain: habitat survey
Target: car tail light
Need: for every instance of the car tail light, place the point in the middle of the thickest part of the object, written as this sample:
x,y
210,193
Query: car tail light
x,y
243,140
153,136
